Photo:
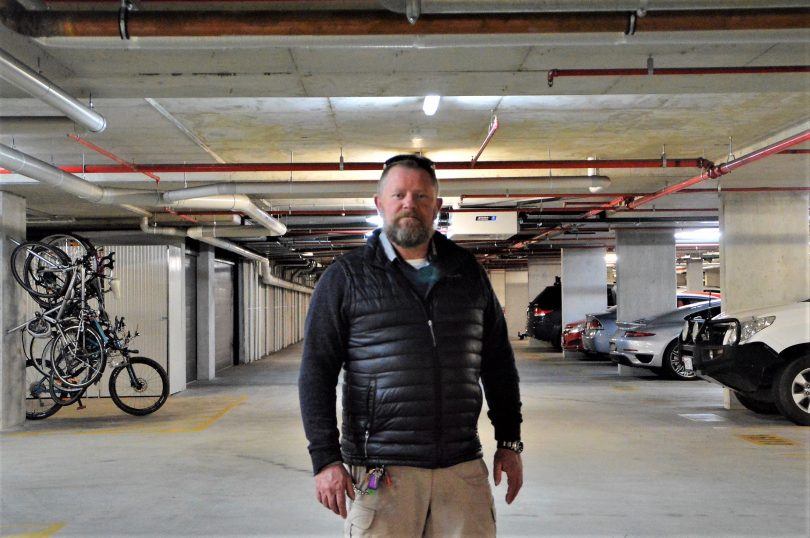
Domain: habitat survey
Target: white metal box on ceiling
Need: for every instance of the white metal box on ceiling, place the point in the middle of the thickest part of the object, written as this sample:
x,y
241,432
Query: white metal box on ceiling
x,y
482,224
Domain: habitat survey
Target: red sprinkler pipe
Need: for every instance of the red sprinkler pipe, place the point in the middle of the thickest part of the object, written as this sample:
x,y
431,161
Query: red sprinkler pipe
x,y
714,172
763,70
129,166
377,167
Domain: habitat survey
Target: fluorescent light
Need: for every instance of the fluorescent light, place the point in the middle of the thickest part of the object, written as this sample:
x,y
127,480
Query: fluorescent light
x,y
698,235
376,220
610,258
431,104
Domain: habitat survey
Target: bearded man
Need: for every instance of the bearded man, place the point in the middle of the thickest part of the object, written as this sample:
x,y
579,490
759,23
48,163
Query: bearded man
x,y
413,321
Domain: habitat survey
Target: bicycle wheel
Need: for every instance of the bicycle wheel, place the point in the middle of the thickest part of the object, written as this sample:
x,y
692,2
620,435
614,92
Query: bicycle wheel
x,y
38,353
63,394
42,270
139,386
39,403
75,246
77,356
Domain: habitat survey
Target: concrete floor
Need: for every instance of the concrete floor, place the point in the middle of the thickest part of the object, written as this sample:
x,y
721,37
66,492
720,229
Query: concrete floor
x,y
606,456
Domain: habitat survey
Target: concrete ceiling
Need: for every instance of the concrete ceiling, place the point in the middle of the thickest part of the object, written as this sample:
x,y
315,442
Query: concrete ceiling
x,y
305,98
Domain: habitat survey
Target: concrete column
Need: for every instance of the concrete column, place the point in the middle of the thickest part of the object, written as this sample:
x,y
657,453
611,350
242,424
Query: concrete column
x,y
206,315
541,274
584,283
645,275
763,249
763,252
515,286
694,275
176,284
497,278
12,363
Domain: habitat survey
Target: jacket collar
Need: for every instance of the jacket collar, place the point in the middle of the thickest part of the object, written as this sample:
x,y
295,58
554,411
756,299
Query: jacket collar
x,y
441,252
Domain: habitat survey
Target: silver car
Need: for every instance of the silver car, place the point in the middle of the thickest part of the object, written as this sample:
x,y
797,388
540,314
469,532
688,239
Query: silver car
x,y
653,343
601,327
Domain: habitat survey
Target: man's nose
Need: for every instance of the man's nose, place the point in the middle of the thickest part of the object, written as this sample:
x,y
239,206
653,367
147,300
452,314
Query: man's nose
x,y
409,200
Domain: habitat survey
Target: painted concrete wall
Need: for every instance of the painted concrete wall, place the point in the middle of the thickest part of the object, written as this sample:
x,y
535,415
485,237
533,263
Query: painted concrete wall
x,y
517,283
541,274
645,272
584,283
763,249
12,363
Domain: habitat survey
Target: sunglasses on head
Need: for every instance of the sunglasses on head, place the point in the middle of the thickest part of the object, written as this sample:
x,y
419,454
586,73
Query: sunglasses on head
x,y
423,162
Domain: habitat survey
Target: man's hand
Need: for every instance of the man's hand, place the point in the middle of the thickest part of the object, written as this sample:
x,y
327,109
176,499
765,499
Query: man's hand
x,y
509,462
332,484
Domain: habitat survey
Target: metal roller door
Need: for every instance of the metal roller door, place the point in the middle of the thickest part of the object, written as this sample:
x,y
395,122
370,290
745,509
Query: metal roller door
x,y
224,299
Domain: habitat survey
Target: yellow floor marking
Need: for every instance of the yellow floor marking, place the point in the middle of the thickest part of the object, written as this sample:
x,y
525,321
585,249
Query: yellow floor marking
x,y
39,530
178,415
767,440
624,388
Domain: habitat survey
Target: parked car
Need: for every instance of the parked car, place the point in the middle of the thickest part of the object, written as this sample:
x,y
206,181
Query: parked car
x,y
544,314
654,343
572,336
601,327
763,355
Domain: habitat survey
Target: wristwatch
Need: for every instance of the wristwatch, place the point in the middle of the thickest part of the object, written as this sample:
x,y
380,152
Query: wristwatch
x,y
517,446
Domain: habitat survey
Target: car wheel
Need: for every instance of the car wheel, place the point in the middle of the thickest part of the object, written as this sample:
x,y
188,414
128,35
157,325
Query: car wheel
x,y
757,406
792,390
672,364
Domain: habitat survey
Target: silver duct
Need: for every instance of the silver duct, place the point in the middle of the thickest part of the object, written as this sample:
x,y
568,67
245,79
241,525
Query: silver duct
x,y
18,74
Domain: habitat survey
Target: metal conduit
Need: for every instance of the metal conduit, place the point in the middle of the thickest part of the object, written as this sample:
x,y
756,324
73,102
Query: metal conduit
x,y
366,188
162,23
16,73
21,163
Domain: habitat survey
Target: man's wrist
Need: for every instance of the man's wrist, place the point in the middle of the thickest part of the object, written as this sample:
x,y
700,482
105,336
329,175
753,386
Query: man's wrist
x,y
515,446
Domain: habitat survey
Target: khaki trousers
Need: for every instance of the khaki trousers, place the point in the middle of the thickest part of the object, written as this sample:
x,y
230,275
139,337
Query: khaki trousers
x,y
455,501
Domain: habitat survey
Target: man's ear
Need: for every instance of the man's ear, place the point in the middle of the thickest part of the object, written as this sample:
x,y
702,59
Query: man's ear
x,y
377,203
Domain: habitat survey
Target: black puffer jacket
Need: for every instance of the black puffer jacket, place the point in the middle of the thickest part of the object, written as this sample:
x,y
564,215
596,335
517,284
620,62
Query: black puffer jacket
x,y
411,392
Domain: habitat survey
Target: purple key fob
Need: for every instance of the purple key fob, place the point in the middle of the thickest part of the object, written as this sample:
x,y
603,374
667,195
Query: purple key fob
x,y
372,481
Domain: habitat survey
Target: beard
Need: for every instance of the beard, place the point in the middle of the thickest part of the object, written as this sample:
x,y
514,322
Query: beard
x,y
407,234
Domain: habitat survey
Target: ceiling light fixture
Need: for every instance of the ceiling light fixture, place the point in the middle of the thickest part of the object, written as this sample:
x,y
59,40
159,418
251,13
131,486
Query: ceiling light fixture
x,y
431,104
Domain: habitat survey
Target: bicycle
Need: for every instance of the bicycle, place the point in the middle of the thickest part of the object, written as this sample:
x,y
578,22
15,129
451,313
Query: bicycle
x,y
79,338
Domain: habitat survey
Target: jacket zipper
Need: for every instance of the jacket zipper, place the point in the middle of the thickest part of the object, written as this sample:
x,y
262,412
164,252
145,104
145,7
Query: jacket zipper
x,y
370,399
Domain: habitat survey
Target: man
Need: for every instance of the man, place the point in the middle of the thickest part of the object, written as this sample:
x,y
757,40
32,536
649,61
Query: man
x,y
412,319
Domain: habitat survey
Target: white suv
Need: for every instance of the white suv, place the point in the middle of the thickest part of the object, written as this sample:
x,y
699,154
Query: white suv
x,y
763,355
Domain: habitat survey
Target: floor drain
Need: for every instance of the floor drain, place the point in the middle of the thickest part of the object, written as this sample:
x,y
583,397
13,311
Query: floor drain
x,y
767,440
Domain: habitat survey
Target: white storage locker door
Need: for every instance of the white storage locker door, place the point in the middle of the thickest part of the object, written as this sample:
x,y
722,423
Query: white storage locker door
x,y
191,317
224,299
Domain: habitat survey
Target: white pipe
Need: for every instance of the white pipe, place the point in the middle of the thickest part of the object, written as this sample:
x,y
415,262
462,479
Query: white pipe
x,y
21,163
366,189
20,75
197,233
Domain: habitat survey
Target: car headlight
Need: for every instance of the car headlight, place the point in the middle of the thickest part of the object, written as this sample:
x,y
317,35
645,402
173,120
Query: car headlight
x,y
752,326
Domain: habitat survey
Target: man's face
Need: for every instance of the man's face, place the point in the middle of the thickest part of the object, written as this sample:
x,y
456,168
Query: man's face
x,y
408,205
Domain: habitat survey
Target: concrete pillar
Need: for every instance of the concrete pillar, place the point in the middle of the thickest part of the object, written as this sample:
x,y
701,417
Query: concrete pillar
x,y
176,285
645,276
763,249
206,315
694,275
497,278
541,274
12,362
763,252
584,283
515,286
